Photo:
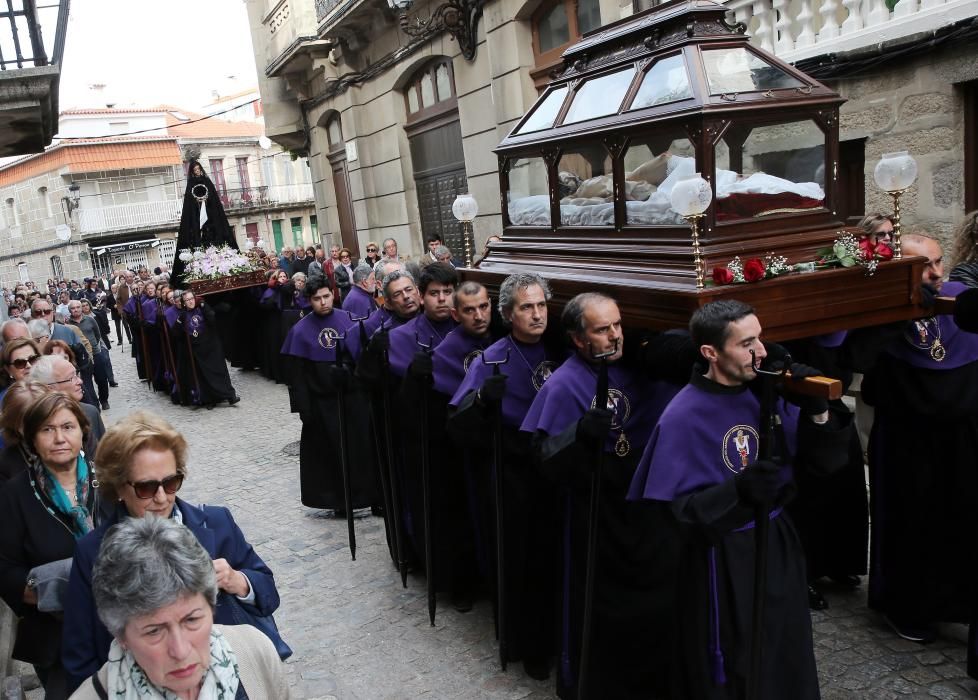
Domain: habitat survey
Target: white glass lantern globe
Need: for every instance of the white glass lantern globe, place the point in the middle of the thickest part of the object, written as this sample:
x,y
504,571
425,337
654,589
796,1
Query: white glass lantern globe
x,y
895,172
691,197
399,5
261,243
465,208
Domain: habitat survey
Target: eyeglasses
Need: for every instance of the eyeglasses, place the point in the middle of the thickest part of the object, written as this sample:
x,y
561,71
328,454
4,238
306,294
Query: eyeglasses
x,y
22,362
76,375
45,312
148,489
371,250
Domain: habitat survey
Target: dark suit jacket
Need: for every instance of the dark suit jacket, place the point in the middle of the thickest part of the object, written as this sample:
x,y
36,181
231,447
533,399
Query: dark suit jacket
x,y
86,641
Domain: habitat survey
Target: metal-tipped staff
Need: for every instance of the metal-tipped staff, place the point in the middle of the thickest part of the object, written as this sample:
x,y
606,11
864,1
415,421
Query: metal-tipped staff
x,y
344,454
768,451
381,467
402,563
429,568
600,401
168,347
144,344
497,463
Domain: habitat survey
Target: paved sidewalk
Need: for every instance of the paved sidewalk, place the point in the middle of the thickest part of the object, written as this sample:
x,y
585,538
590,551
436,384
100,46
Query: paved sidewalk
x,y
357,634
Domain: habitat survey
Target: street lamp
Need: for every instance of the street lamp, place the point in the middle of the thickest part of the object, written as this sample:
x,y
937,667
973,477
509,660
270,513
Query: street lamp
x,y
73,199
894,174
690,198
465,209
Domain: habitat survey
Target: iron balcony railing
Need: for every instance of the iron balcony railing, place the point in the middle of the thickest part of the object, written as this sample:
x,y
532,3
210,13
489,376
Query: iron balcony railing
x,y
21,42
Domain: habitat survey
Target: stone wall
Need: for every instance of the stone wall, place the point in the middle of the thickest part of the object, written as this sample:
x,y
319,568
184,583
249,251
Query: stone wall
x,y
494,91
915,105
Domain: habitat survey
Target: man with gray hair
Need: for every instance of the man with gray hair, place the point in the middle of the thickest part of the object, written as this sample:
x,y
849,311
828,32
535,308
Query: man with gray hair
x,y
401,304
14,328
526,365
58,374
359,301
638,546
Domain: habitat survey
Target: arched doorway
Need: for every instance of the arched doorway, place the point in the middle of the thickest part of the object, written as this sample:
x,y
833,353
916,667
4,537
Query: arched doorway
x,y
435,138
341,183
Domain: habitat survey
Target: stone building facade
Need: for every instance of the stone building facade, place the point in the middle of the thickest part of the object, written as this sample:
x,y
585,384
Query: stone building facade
x,y
396,121
100,202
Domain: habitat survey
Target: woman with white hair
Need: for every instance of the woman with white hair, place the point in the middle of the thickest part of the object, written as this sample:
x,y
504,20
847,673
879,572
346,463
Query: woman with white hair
x,y
155,591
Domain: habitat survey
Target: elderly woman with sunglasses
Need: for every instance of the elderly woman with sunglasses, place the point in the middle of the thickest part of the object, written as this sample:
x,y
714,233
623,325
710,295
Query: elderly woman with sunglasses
x,y
155,590
46,509
17,358
142,464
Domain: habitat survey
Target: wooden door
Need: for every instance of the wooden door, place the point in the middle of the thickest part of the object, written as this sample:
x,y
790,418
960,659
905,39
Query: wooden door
x,y
344,205
439,175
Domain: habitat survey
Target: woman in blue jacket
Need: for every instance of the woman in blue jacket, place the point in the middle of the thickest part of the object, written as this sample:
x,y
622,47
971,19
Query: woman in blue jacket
x,y
141,466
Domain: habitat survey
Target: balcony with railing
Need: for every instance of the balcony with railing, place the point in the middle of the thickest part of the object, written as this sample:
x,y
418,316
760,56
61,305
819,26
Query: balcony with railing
x,y
30,69
241,200
122,217
795,30
149,215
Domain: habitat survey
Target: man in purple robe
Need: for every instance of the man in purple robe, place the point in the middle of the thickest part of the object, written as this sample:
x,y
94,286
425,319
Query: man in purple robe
x,y
455,501
401,304
359,301
321,386
410,349
922,447
637,547
831,512
703,461
529,530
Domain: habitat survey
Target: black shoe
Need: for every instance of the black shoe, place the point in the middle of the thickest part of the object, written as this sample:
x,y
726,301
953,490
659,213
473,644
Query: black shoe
x,y
210,407
846,580
113,384
538,669
233,400
815,599
911,631
377,511
105,405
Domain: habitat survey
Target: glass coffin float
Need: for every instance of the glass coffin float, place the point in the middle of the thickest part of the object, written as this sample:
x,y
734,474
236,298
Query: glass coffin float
x,y
586,179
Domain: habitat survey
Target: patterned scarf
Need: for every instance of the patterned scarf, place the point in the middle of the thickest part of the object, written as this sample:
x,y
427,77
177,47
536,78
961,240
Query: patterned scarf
x,y
79,515
127,681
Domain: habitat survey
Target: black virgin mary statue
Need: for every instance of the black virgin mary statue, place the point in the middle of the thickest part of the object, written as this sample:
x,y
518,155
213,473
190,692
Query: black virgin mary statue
x,y
203,221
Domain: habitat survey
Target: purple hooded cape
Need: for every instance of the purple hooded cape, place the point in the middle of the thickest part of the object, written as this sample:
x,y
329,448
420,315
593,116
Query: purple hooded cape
x,y
832,340
635,402
149,309
272,294
528,368
318,338
404,340
914,348
707,434
370,326
358,302
454,357
171,314
130,308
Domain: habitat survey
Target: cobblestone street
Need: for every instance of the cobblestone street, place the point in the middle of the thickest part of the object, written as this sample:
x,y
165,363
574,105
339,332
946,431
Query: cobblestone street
x,y
357,633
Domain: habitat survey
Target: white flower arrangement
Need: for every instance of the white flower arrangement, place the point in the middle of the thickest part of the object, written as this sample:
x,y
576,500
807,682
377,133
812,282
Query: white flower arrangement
x,y
213,262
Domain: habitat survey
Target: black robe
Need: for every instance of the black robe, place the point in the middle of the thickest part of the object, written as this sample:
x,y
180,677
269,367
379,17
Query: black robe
x,y
690,462
319,399
831,511
208,372
216,230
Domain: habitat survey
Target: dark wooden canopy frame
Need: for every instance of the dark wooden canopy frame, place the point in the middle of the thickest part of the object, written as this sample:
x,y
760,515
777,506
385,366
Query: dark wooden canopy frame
x,y
649,269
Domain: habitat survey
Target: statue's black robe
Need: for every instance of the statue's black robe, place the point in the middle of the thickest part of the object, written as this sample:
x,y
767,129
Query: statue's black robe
x,y
216,229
